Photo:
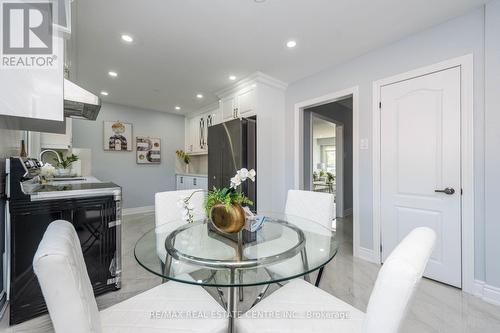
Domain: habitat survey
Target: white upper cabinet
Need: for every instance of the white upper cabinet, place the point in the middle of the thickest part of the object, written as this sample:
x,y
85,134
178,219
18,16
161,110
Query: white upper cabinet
x,y
58,141
258,94
35,93
228,107
240,104
197,130
246,103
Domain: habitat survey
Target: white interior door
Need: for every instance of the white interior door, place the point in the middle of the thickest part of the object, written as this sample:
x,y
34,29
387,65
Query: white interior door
x,y
420,153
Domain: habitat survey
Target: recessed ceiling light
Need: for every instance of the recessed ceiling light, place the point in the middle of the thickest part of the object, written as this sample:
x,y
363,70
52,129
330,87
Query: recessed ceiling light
x,y
291,44
127,38
232,77
113,73
177,108
200,96
104,93
259,1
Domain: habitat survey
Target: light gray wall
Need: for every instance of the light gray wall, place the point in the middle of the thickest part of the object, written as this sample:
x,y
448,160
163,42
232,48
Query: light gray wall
x,y
139,182
343,114
463,35
492,151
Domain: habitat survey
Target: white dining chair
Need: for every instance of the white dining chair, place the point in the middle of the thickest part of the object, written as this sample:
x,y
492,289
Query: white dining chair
x,y
314,310
318,207
315,206
66,287
168,215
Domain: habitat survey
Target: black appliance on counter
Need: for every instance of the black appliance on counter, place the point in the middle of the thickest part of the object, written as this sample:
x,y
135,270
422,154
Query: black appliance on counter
x,y
231,146
97,220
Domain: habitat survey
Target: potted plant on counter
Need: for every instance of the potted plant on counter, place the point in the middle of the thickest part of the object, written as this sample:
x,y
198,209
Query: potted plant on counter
x,y
224,206
63,164
184,157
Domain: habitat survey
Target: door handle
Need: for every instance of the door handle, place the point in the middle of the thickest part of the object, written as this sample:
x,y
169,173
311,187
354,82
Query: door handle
x,y
448,190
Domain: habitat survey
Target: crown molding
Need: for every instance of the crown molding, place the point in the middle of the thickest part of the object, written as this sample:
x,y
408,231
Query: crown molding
x,y
257,77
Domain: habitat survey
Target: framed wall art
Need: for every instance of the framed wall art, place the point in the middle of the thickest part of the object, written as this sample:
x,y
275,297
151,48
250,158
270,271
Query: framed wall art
x,y
117,136
148,150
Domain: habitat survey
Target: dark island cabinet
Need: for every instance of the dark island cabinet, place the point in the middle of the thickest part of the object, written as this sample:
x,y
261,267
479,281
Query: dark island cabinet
x,y
98,226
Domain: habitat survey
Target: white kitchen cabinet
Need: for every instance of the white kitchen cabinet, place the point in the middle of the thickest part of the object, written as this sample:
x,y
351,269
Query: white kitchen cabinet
x,y
197,130
228,106
180,184
241,104
192,135
188,182
34,93
58,141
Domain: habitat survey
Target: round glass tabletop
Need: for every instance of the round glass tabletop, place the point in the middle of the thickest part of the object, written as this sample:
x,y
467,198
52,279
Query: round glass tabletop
x,y
285,247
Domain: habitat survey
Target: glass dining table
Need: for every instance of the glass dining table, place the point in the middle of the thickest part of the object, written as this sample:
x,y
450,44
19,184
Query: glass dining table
x,y
284,248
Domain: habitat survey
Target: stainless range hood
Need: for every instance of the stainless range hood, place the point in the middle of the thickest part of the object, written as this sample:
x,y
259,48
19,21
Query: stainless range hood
x,y
80,103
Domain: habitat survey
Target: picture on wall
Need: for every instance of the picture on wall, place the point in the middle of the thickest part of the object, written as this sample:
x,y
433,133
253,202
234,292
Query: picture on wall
x,y
117,136
148,150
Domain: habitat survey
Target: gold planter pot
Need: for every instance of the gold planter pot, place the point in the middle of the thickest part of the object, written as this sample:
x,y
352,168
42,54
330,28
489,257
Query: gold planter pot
x,y
229,220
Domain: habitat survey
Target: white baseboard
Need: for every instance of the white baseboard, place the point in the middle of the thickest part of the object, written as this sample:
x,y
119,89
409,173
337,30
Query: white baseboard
x,y
138,210
366,254
347,212
486,292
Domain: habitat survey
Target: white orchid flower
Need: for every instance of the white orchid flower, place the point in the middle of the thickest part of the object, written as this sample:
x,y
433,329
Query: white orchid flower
x,y
235,181
243,174
189,206
251,175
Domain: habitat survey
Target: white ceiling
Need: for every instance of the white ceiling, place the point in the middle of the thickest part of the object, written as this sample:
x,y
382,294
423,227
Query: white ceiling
x,y
183,47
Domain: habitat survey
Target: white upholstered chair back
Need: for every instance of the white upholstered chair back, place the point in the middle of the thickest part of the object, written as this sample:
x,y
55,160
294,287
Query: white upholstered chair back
x,y
63,277
168,214
167,209
315,206
397,281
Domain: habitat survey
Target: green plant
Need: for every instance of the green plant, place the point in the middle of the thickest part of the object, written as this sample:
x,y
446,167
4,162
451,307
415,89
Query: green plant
x,y
65,162
183,156
230,195
330,177
225,196
322,173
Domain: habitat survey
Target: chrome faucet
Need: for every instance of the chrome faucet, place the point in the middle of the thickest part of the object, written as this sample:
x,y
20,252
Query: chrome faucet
x,y
49,151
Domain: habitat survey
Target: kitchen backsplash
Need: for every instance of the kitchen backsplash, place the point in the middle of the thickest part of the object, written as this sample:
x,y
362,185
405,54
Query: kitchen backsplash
x,y
10,145
198,165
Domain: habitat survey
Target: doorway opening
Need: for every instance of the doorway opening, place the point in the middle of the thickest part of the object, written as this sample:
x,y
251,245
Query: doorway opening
x,y
328,154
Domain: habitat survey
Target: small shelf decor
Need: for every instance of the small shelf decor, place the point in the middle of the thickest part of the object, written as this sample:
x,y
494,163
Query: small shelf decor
x,y
184,157
224,206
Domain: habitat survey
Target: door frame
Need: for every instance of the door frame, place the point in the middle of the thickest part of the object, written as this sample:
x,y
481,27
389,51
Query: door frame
x,y
299,149
465,63
339,161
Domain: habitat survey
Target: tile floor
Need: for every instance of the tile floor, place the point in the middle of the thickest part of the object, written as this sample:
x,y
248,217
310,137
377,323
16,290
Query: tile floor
x,y
436,308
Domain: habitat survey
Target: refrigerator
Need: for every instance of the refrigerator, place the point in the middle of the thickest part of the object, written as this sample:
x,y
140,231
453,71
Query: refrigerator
x,y
232,145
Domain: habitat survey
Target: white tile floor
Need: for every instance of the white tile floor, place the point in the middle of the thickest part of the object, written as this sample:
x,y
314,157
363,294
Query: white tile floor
x,y
436,308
